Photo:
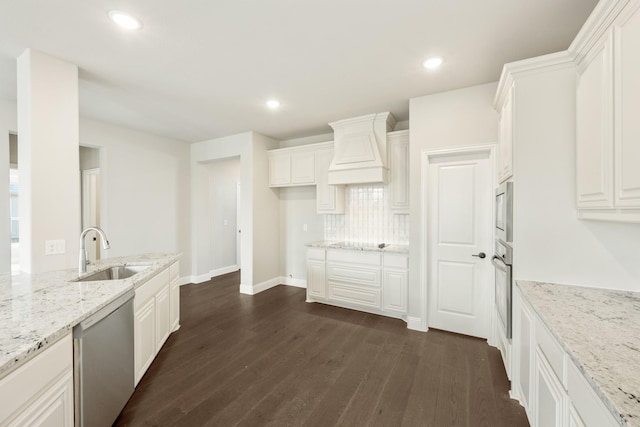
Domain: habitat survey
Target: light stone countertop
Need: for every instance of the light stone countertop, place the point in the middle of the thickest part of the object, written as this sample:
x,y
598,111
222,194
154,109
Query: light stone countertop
x,y
600,330
359,246
38,309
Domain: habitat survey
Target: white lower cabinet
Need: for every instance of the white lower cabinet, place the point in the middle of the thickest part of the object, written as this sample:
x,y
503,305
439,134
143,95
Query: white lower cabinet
x,y
174,275
361,280
549,395
559,393
40,392
152,320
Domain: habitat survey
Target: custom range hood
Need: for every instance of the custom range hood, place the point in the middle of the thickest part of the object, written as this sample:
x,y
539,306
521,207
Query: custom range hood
x,y
360,149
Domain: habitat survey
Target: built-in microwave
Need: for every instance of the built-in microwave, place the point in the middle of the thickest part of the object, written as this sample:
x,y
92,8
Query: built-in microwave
x,y
504,212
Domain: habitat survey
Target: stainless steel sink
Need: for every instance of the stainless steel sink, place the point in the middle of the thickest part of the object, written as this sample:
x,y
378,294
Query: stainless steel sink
x,y
118,272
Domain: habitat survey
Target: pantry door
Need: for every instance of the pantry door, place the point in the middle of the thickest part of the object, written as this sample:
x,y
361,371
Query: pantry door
x,y
459,241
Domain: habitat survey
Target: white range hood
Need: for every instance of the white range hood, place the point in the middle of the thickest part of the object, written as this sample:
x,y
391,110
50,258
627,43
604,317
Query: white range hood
x,y
360,149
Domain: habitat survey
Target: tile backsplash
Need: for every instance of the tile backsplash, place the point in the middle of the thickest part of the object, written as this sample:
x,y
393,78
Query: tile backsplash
x,y
367,218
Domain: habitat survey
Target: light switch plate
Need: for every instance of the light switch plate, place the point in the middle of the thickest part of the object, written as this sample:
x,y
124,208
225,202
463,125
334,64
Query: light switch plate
x,y
55,247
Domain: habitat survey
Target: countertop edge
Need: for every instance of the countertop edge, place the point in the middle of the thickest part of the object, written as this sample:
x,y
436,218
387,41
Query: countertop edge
x,y
606,400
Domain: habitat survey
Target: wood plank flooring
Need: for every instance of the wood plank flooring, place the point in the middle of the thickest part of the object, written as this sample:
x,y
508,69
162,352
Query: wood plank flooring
x,y
273,360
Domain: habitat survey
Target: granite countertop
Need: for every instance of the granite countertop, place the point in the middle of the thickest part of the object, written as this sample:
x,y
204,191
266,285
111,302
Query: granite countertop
x,y
359,246
600,330
38,309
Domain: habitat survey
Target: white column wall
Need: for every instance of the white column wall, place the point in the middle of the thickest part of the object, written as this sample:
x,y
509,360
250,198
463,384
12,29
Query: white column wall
x,y
8,123
49,166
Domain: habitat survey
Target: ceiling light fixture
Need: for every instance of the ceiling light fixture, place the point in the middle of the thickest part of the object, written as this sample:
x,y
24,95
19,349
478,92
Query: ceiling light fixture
x,y
432,63
273,104
125,20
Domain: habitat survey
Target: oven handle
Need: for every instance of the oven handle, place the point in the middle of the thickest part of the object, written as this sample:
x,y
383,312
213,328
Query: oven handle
x,y
500,265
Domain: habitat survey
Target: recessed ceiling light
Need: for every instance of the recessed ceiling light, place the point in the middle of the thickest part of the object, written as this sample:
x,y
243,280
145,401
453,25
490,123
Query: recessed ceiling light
x,y
432,63
125,20
273,104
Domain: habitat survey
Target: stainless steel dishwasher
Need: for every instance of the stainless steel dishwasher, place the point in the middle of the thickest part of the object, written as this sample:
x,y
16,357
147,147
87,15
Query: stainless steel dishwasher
x,y
103,363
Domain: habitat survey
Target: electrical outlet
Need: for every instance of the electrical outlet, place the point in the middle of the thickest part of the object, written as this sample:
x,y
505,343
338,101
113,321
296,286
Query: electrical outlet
x,y
305,227
55,247
226,222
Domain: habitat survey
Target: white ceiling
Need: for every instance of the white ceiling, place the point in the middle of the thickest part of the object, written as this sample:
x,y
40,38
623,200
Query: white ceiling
x,y
202,69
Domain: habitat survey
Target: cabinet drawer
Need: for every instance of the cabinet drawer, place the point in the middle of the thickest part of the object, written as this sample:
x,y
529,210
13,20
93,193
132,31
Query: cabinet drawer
x,y
396,261
585,401
150,288
551,350
316,254
352,274
355,295
354,257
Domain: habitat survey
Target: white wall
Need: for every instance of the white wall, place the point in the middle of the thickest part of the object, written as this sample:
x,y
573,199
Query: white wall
x,y
48,152
459,118
224,175
8,123
266,221
552,244
297,208
145,190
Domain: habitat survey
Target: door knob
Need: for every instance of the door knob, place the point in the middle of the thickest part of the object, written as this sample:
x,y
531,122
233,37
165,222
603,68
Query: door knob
x,y
481,255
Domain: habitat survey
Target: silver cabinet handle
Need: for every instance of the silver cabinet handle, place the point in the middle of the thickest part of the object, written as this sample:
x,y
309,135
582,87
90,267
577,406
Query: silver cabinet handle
x,y
500,265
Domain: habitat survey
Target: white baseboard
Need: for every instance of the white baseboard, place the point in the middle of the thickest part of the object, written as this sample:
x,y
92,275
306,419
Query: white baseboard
x,y
186,280
224,270
290,281
257,288
415,323
201,278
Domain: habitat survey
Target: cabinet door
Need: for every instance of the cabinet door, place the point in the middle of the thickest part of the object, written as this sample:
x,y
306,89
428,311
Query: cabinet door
x,y
329,198
175,306
522,340
279,169
54,408
627,106
394,291
399,165
594,131
303,168
316,283
550,396
144,330
574,418
505,143
163,317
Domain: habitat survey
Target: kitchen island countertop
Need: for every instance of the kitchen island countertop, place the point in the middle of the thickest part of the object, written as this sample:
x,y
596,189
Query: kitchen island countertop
x,y
600,331
38,309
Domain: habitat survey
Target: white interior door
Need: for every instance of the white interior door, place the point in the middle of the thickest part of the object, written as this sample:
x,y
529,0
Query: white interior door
x,y
459,227
91,210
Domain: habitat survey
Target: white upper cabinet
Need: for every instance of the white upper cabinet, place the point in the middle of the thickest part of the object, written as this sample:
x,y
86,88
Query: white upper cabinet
x,y
505,138
594,130
607,125
329,198
399,171
627,108
291,167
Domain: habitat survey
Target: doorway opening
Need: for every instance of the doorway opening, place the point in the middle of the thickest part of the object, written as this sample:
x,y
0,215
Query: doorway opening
x,y
90,195
14,193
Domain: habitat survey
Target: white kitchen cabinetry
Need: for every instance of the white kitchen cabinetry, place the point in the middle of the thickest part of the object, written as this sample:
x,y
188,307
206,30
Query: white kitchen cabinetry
x,y
399,171
607,128
152,320
505,137
329,198
370,281
395,278
40,392
290,167
174,273
316,283
560,394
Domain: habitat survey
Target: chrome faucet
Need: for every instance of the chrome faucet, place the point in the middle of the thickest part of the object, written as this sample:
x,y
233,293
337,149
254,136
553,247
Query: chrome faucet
x,y
83,261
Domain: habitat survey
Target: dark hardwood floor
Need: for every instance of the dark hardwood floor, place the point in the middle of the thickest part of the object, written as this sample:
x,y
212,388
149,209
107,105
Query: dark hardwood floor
x,y
273,360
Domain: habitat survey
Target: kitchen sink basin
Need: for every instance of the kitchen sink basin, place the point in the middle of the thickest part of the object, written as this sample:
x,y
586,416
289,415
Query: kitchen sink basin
x,y
118,272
